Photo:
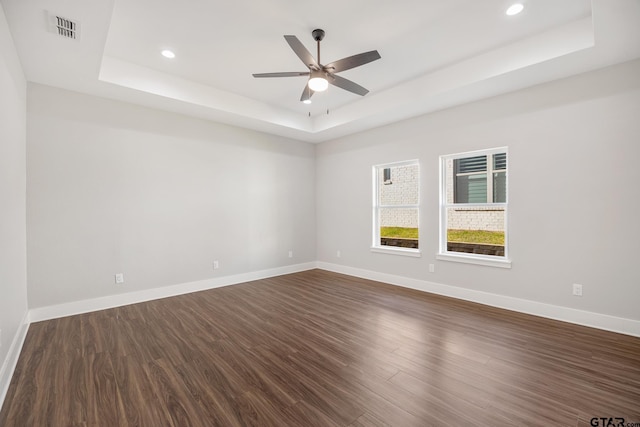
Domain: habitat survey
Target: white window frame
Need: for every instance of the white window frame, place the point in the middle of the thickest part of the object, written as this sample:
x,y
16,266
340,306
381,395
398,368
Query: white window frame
x,y
377,171
487,260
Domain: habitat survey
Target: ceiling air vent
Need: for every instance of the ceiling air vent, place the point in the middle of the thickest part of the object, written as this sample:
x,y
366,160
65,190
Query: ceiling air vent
x,y
64,27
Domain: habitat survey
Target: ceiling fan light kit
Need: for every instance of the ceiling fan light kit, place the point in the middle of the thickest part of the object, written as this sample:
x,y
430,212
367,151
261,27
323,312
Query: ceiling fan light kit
x,y
318,82
321,75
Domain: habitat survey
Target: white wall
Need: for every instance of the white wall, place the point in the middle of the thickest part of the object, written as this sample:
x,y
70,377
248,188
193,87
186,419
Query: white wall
x,y
13,279
117,188
574,147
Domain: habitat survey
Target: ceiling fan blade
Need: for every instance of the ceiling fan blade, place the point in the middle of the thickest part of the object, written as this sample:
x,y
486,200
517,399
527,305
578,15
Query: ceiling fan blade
x,y
286,74
306,93
352,61
302,52
346,84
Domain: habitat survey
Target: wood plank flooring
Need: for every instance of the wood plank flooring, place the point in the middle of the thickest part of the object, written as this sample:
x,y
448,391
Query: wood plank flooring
x,y
319,349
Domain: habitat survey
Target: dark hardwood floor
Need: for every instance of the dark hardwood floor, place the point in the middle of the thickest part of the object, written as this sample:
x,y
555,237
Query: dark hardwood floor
x,y
319,349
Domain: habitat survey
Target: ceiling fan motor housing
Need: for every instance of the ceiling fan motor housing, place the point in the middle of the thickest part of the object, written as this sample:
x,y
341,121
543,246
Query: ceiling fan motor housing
x,y
318,34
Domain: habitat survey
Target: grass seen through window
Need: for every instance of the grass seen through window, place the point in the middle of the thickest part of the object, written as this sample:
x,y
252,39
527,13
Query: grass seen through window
x,y
463,236
399,232
476,236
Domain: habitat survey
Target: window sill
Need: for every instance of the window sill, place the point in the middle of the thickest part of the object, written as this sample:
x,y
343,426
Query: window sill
x,y
397,251
475,259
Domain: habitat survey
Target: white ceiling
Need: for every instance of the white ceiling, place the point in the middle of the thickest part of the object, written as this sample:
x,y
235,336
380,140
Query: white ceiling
x,y
435,54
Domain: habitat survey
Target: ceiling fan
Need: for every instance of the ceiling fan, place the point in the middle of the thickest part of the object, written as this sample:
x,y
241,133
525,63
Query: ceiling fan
x,y
320,76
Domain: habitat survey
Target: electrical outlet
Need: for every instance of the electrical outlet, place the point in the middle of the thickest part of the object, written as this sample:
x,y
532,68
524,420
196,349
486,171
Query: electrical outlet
x,y
577,290
119,278
290,254
432,268
338,254
216,265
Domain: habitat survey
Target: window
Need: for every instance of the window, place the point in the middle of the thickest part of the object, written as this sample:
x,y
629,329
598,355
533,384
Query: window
x,y
471,175
396,208
473,207
386,173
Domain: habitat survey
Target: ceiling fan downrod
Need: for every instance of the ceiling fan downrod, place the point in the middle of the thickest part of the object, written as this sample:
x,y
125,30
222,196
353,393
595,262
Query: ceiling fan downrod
x,y
318,35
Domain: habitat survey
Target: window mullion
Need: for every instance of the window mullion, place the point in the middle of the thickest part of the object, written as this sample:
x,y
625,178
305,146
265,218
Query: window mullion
x,y
475,205
490,178
398,206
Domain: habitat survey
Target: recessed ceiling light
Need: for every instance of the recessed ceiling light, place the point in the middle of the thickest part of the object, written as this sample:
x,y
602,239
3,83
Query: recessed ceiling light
x,y
515,9
307,101
168,54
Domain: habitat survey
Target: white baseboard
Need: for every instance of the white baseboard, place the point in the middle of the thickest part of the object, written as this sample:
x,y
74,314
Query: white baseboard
x,y
111,301
10,362
565,314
